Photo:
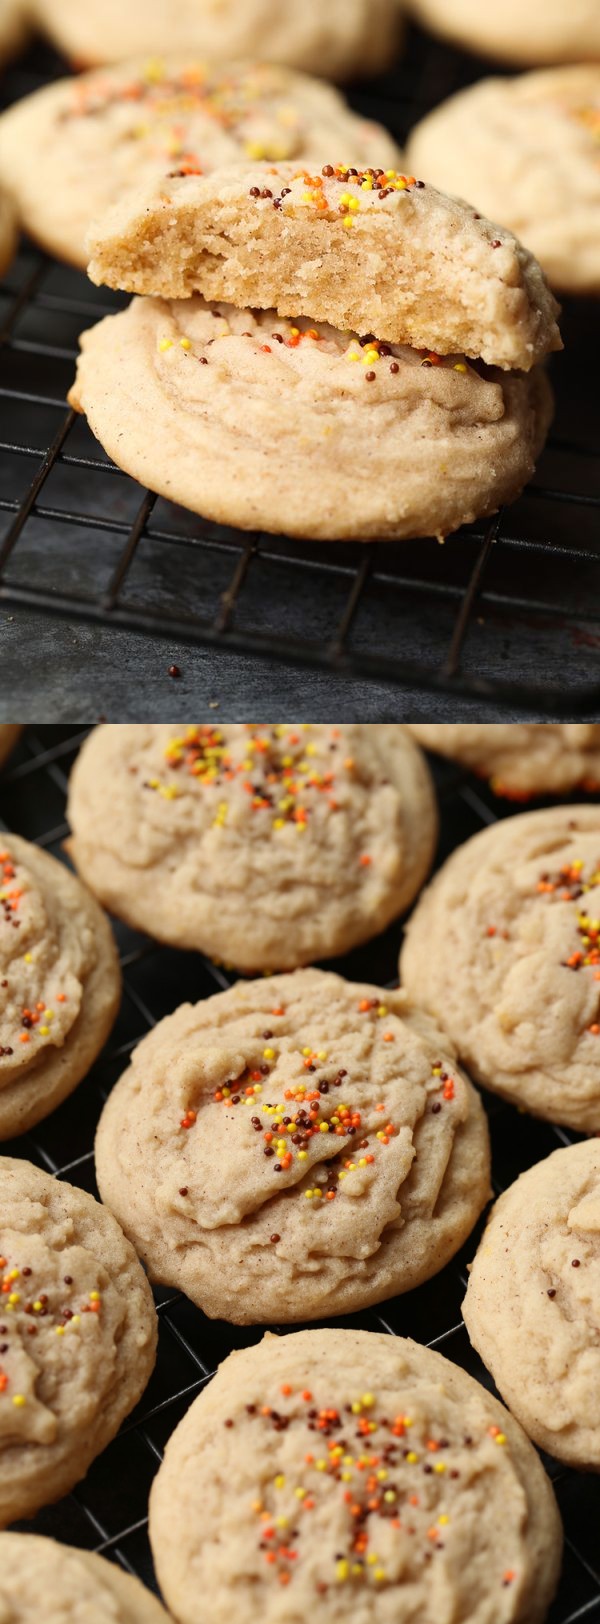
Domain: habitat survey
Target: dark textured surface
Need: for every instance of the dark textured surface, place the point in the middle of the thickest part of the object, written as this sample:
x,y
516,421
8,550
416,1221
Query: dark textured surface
x,y
108,1511
506,620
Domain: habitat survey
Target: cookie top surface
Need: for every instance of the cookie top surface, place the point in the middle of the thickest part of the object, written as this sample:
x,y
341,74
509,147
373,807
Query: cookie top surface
x,y
72,149
47,952
520,758
347,37
533,1302
527,152
543,31
506,943
446,443
352,1474
79,1335
74,1584
318,1126
327,832
375,251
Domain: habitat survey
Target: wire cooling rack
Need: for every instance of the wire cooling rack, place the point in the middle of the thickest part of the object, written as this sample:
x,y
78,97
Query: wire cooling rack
x,y
507,611
107,1512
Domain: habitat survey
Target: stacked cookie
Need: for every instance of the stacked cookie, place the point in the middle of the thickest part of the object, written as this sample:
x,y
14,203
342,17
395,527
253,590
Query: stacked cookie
x,y
260,286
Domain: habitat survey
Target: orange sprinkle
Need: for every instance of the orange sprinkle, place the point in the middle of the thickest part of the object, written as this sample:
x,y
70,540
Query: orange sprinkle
x,y
365,860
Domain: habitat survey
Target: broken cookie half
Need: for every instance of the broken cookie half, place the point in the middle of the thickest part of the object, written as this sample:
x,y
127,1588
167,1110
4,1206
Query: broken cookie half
x,y
343,355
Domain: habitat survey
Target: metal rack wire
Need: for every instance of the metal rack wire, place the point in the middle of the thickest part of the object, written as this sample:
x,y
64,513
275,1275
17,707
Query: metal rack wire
x,y
107,1512
507,611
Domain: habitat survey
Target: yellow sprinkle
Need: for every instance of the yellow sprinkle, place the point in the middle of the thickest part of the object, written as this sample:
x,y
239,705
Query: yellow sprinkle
x,y
347,222
342,1570
321,1054
459,366
299,1493
321,1465
356,1406
60,1330
186,343
281,1522
363,1161
306,1051
308,1195
280,1482
43,1031
165,344
501,1436
412,1458
72,1323
94,1296
379,1573
368,1399
381,1476
14,1297
323,1127
356,1567
278,823
372,1559
443,1520
19,1400
48,1014
440,1466
382,1010
389,1495
37,1306
269,1054
302,1155
28,958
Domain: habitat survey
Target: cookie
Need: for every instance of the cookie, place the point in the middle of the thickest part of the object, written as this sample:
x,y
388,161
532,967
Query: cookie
x,y
345,38
525,151
379,253
8,739
265,846
74,1584
60,983
520,759
79,1336
533,1302
542,31
229,1124
72,149
504,948
352,1474
261,422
